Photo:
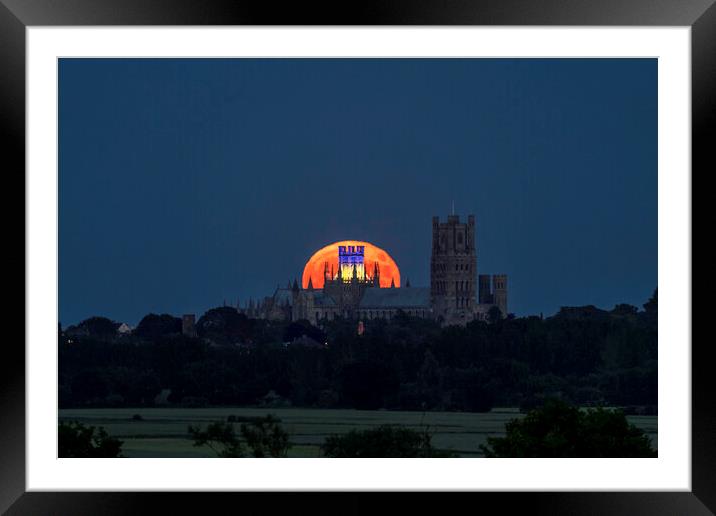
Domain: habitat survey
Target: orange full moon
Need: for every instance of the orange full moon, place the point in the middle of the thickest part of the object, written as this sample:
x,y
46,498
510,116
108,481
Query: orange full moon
x,y
314,267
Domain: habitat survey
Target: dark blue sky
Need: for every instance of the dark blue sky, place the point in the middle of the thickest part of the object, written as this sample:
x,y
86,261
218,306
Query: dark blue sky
x,y
186,182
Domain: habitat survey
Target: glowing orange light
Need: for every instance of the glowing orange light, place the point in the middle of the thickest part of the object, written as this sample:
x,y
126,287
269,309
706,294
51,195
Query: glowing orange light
x,y
313,270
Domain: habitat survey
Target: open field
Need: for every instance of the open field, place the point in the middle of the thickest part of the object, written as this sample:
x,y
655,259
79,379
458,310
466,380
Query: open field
x,y
162,432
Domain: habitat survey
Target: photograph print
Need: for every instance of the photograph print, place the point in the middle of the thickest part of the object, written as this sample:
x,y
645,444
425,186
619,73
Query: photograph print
x,y
357,257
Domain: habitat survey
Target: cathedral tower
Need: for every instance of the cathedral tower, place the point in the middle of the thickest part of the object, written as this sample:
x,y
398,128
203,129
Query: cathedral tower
x,y
485,289
499,292
453,268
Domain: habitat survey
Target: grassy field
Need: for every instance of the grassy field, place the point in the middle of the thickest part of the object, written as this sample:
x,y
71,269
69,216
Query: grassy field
x,y
162,432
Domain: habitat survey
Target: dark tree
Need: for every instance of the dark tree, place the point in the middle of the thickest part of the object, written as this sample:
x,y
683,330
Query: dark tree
x,y
559,430
471,390
366,384
650,316
153,326
89,387
429,381
220,437
144,388
225,325
76,440
266,437
625,309
652,306
302,328
95,327
494,315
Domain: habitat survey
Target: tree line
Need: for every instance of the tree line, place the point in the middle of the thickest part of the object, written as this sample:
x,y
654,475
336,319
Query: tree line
x,y
581,355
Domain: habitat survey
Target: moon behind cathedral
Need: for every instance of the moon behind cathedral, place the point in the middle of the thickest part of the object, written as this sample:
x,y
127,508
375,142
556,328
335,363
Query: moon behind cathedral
x,y
314,268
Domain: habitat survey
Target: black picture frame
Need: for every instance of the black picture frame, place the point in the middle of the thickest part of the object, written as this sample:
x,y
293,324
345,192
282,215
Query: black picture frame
x,y
17,15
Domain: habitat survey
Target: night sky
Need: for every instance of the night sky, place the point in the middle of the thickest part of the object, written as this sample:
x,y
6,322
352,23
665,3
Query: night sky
x,y
187,182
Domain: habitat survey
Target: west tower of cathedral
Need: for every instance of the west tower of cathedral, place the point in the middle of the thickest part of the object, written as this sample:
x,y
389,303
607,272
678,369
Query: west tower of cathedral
x,y
453,268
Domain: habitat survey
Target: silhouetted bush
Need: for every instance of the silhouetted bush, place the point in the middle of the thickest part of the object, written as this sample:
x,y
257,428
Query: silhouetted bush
x,y
220,437
560,430
265,437
77,440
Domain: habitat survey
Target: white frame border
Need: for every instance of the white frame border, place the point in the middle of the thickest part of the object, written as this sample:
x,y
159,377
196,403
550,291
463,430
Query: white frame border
x,y
670,471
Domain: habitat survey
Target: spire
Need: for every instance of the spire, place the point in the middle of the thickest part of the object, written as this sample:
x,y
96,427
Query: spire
x,y
295,284
310,283
355,272
325,270
392,282
407,283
